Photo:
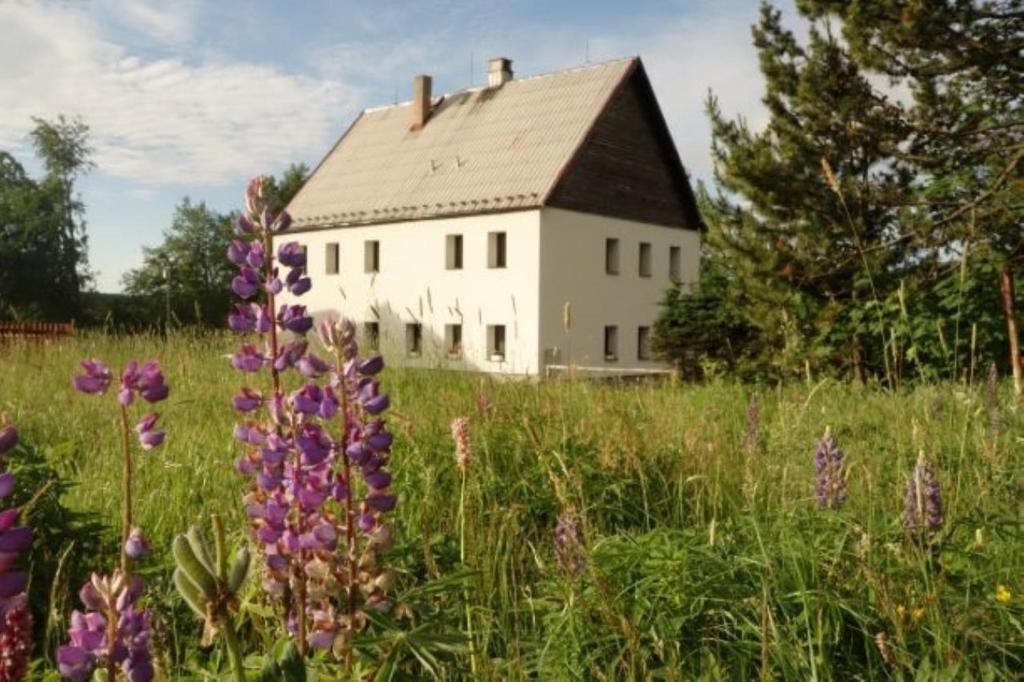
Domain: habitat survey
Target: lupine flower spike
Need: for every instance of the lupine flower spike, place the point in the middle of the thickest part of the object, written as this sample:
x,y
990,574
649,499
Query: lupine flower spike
x,y
830,465
112,633
922,504
460,434
108,600
15,617
569,548
318,499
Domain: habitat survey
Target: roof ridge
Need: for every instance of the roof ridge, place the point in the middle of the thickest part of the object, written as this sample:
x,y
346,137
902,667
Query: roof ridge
x,y
478,88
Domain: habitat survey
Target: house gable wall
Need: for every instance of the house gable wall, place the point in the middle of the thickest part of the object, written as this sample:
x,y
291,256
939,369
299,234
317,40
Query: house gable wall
x,y
628,167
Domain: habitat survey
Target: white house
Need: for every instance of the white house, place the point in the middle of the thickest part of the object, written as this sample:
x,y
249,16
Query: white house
x,y
508,228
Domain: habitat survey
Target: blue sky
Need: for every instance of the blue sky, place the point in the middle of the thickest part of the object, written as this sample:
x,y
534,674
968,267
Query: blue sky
x,y
191,98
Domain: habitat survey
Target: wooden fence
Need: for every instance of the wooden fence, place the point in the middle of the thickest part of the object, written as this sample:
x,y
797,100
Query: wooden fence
x,y
36,331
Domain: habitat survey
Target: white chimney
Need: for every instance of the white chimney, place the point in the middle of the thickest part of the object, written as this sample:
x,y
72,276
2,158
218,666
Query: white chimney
x,y
499,72
420,101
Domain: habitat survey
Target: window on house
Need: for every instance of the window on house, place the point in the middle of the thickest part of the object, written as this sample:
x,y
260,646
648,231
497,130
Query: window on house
x,y
332,259
674,265
496,250
413,339
371,334
643,343
611,256
371,256
453,339
645,259
611,343
496,342
453,252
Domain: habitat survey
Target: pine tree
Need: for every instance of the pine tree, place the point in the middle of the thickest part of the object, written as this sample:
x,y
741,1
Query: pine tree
x,y
811,208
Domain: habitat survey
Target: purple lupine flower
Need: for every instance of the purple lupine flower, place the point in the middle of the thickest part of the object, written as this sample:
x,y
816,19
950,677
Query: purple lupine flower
x,y
238,252
247,400
922,503
149,436
15,617
291,255
250,359
105,599
245,283
298,285
829,463
96,379
244,225
570,552
137,545
294,319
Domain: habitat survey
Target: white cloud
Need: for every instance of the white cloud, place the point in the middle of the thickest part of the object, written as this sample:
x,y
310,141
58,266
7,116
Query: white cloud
x,y
159,120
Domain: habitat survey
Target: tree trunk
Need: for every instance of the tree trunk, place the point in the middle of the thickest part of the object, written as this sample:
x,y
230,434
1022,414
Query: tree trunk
x,y
1006,288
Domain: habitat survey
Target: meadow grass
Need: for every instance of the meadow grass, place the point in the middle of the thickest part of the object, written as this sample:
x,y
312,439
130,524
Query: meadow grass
x,y
706,558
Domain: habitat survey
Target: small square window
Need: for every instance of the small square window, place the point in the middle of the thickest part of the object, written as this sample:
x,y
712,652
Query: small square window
x,y
371,256
453,252
331,257
643,343
371,335
611,256
496,342
674,263
413,339
496,243
645,259
453,340
611,343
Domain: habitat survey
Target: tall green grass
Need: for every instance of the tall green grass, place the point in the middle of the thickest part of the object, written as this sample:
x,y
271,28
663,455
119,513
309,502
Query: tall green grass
x,y
704,561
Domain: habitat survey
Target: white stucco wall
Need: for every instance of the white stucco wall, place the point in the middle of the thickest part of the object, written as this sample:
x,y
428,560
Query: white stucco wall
x,y
573,270
413,285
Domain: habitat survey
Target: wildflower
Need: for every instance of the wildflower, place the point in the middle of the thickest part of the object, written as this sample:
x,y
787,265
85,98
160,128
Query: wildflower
x,y
918,614
15,618
294,319
249,359
922,512
569,548
884,649
829,465
1003,594
108,600
256,195
460,433
149,437
291,255
137,545
97,377
901,610
15,640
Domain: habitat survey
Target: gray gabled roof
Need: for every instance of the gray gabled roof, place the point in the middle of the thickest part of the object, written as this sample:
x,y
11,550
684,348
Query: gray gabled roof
x,y
481,150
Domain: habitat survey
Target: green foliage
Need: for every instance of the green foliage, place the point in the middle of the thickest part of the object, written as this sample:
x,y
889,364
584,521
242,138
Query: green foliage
x,y
42,232
703,561
703,327
187,277
842,222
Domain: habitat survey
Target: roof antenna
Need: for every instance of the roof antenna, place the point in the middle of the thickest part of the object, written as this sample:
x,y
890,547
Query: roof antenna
x,y
588,52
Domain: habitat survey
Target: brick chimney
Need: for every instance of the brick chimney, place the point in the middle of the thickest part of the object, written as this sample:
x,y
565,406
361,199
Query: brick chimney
x,y
499,72
420,101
